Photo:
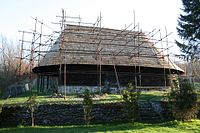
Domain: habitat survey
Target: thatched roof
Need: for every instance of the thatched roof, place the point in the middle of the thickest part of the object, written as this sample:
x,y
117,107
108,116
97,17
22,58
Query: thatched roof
x,y
85,45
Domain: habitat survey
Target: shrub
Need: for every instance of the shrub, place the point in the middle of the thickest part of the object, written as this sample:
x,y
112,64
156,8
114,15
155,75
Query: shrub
x,y
87,106
183,99
130,97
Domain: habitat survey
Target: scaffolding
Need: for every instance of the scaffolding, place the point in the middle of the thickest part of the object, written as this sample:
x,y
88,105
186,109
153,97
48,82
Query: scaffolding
x,y
129,42
32,44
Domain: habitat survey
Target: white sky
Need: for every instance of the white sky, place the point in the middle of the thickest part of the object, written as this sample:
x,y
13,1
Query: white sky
x,y
15,14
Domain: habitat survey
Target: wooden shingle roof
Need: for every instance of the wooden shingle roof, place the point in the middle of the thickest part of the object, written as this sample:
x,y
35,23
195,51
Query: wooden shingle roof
x,y
85,45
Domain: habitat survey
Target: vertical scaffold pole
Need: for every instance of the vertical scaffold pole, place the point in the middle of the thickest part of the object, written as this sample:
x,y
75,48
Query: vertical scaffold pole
x,y
100,76
163,59
32,56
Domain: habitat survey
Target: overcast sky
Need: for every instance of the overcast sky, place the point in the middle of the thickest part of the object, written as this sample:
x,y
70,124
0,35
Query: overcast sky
x,y
16,15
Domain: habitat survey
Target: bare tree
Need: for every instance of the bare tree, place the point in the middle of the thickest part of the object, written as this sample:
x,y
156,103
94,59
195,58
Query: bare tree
x,y
10,62
191,67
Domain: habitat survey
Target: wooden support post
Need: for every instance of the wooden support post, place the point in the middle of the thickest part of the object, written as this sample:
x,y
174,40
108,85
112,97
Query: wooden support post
x,y
42,88
38,82
47,87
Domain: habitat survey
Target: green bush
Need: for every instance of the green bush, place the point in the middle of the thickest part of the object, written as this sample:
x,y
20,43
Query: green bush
x,y
183,99
87,106
130,97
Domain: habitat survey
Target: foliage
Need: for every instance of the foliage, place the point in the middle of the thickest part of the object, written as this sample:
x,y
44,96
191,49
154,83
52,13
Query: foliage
x,y
131,97
183,100
168,127
87,106
32,106
174,82
189,29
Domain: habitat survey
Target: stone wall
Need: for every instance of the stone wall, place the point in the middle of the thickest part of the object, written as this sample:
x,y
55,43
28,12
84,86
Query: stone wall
x,y
77,89
62,114
93,89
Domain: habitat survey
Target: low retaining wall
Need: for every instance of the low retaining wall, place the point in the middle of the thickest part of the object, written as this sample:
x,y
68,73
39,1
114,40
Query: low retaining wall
x,y
61,114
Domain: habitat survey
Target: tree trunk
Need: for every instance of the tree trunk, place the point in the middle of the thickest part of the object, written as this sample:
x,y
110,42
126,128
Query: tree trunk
x,y
32,118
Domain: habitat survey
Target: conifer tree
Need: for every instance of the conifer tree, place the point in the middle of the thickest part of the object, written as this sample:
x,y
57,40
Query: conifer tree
x,y
183,99
189,30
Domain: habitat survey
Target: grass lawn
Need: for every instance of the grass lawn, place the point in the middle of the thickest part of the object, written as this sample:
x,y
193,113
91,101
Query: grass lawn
x,y
153,95
44,98
168,127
